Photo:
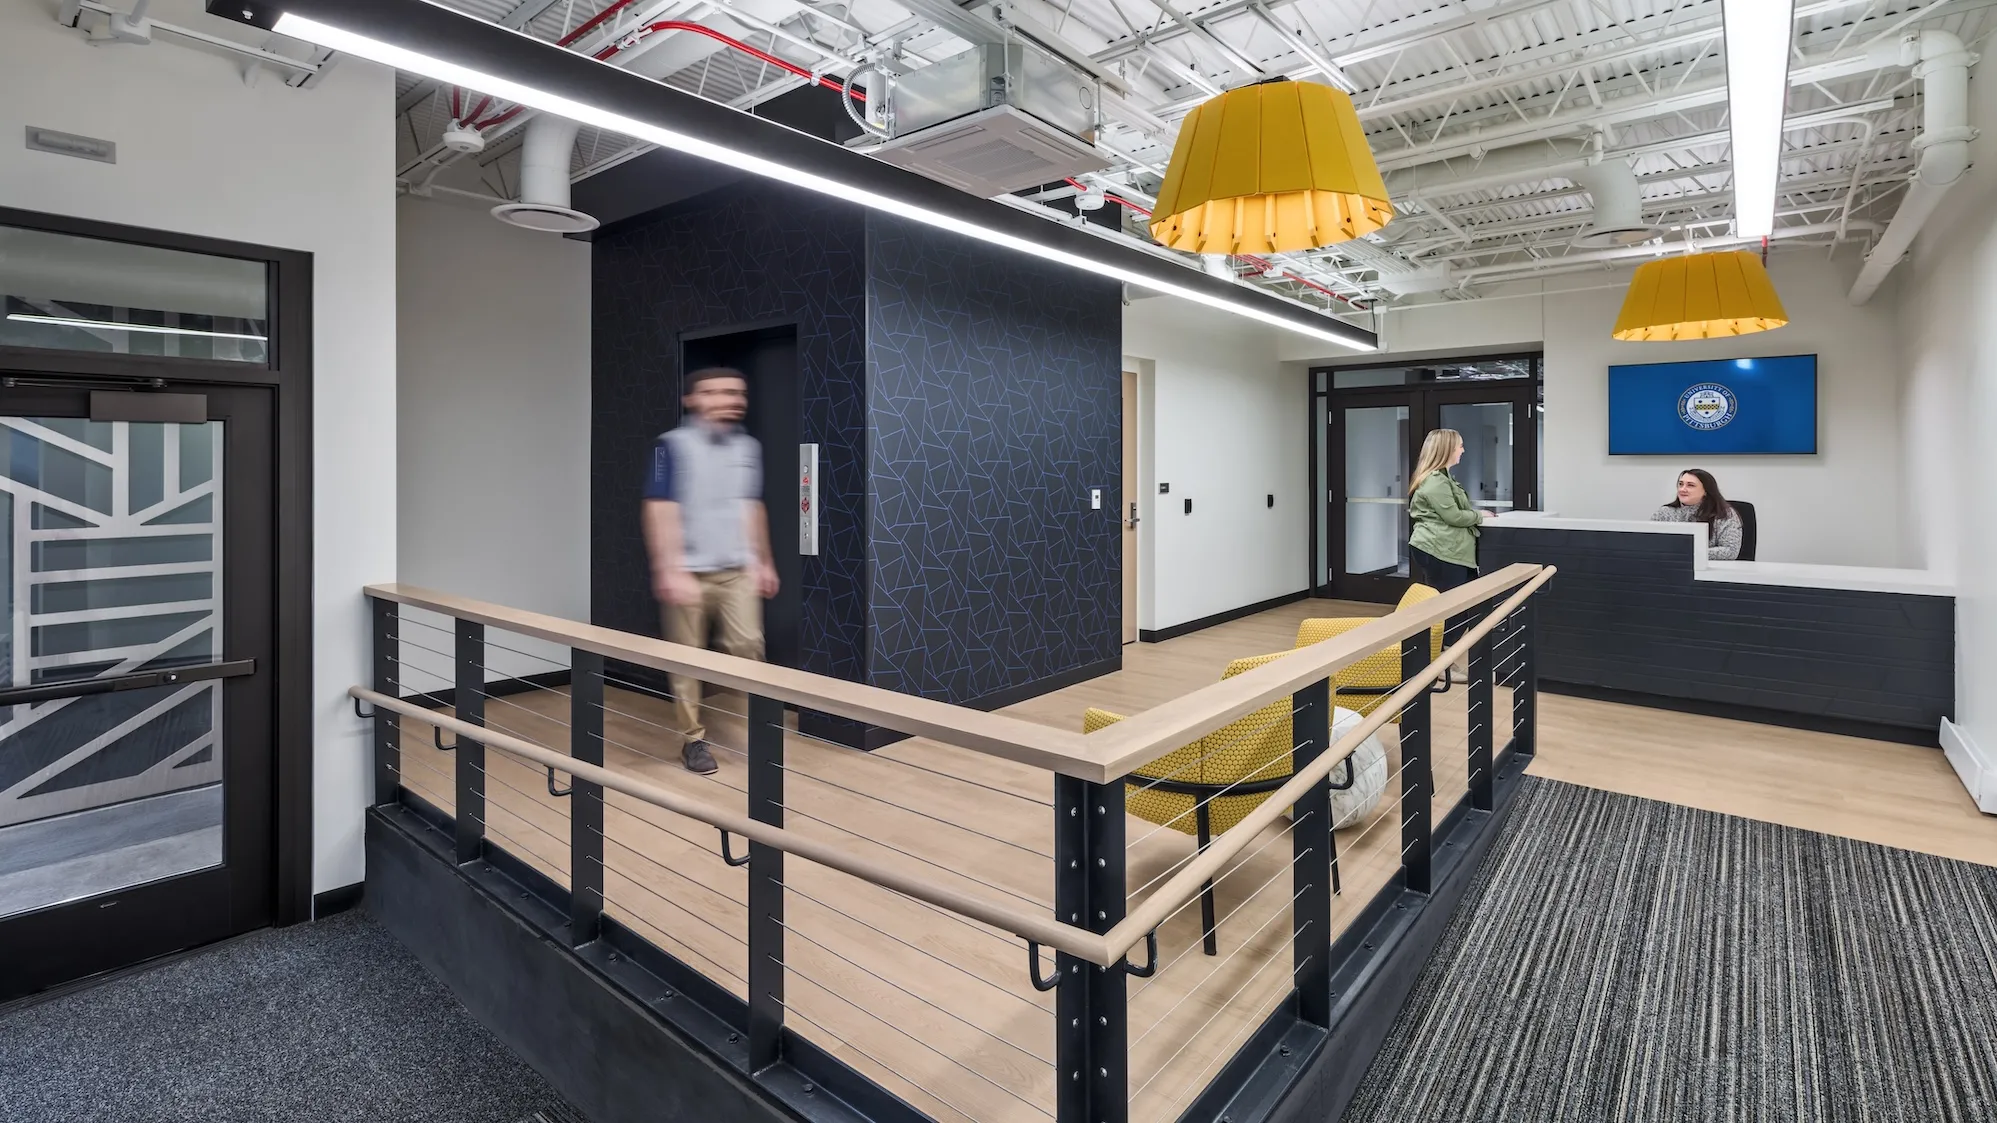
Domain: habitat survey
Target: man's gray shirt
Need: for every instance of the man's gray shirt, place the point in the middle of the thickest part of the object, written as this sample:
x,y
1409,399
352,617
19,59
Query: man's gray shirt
x,y
710,471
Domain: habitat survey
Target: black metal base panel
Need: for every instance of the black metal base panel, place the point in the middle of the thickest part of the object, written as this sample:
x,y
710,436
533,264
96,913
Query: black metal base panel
x,y
622,1032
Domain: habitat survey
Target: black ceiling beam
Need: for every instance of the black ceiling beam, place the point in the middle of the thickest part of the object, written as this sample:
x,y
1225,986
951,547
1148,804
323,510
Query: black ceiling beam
x,y
467,41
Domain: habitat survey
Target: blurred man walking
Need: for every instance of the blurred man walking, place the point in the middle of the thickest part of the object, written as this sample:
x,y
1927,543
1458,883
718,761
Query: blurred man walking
x,y
709,537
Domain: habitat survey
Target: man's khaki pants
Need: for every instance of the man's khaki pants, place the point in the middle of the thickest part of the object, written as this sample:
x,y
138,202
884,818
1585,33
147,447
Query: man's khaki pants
x,y
728,605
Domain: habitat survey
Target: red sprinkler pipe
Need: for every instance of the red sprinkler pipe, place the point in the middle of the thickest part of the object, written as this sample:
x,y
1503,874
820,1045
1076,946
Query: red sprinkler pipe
x,y
594,22
699,29
720,37
588,25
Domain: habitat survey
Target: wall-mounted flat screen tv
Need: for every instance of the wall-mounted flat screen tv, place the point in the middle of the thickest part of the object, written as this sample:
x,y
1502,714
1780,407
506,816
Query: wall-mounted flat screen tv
x,y
1719,407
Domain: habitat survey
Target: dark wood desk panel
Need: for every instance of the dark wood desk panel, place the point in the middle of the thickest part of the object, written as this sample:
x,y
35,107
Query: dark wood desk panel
x,y
1625,614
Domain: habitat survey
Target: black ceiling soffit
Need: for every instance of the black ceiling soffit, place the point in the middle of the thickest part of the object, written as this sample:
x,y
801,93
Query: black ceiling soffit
x,y
470,42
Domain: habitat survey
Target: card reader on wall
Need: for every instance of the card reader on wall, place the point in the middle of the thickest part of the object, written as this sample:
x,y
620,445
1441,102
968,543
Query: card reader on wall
x,y
1189,506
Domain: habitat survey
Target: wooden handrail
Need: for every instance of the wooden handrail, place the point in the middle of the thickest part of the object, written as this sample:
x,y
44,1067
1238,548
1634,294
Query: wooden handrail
x,y
1130,744
1055,750
1101,757
1099,948
1039,927
1183,886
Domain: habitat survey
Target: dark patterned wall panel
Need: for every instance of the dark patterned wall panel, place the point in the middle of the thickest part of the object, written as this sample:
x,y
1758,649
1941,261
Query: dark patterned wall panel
x,y
994,386
747,254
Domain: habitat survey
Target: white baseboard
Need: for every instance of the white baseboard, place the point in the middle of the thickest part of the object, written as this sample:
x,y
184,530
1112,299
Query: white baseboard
x,y
1976,770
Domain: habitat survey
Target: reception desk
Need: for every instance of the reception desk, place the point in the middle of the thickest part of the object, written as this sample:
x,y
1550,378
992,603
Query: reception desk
x,y
1639,613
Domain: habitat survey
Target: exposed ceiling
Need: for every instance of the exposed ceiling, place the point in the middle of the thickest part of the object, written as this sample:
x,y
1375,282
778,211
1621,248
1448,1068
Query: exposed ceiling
x,y
1465,105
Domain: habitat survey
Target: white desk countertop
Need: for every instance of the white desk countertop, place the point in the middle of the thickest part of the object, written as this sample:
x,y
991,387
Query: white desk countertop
x,y
1858,578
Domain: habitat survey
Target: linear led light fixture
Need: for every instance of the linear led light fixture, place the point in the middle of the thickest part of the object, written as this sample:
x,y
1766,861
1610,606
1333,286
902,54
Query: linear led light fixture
x,y
332,25
110,325
1757,35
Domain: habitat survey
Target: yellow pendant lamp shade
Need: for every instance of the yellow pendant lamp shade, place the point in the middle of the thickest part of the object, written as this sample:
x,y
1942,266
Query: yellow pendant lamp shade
x,y
1699,296
1270,168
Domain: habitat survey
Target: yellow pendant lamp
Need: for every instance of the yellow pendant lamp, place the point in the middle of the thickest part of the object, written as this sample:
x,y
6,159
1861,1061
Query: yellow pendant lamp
x,y
1270,168
1699,296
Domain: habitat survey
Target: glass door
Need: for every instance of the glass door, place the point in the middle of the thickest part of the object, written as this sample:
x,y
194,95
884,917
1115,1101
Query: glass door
x,y
135,709
1489,468
1370,431
1370,516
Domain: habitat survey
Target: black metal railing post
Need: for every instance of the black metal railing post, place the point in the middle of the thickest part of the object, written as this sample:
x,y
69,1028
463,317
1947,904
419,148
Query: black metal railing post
x,y
469,699
1092,1027
1525,690
585,798
387,739
766,884
1481,716
1417,782
1310,869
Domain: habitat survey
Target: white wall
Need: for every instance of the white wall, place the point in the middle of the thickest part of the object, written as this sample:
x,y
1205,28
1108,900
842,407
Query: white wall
x,y
1225,426
1946,295
1811,508
493,418
199,152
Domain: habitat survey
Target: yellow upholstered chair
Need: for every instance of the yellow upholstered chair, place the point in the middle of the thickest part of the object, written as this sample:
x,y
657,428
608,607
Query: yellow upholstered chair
x,y
1246,759
1363,685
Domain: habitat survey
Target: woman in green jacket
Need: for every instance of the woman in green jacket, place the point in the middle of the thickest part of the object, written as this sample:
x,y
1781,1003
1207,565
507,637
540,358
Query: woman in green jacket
x,y
1442,538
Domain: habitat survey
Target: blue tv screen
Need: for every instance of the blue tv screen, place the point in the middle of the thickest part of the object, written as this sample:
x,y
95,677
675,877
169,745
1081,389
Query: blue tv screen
x,y
1720,407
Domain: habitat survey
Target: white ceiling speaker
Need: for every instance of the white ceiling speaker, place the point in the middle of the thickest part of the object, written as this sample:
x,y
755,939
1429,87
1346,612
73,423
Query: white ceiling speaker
x,y
460,137
544,180
1617,220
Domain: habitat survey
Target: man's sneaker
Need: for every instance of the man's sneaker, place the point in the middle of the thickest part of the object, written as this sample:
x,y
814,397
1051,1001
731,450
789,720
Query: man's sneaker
x,y
697,758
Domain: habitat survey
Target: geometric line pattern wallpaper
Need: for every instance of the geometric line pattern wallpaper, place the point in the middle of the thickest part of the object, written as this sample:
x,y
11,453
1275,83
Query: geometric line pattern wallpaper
x,y
750,253
994,381
964,401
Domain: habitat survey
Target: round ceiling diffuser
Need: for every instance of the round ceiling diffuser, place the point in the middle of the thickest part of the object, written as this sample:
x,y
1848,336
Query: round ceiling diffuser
x,y
545,217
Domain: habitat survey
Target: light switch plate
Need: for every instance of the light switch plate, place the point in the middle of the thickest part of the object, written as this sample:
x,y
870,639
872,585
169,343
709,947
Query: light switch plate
x,y
1095,499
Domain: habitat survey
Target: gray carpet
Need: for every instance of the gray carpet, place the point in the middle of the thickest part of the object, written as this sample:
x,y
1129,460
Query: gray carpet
x,y
327,1021
1625,960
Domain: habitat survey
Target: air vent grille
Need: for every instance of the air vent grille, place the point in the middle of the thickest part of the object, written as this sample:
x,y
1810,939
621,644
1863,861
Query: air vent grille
x,y
992,152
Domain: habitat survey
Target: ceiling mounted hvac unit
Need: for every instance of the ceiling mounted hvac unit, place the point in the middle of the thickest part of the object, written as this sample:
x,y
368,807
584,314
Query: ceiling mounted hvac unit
x,y
994,119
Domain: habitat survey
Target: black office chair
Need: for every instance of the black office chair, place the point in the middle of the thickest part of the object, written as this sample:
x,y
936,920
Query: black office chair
x,y
1747,527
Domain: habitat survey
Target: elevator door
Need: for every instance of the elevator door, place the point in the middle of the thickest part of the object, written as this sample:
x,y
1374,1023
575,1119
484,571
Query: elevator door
x,y
767,356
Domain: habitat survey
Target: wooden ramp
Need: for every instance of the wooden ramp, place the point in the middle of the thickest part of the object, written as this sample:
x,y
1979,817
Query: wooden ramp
x,y
935,1008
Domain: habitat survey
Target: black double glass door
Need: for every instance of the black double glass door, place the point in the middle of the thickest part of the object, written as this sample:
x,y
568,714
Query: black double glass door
x,y
1368,441
136,702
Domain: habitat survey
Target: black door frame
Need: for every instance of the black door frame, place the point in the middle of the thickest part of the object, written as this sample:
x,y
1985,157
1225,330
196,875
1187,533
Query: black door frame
x,y
288,375
1424,401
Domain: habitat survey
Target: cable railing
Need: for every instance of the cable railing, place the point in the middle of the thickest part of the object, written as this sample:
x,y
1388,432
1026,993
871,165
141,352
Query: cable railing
x,y
976,920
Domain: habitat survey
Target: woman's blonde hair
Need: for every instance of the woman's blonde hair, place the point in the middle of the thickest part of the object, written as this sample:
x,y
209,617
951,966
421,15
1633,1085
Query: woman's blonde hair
x,y
1435,453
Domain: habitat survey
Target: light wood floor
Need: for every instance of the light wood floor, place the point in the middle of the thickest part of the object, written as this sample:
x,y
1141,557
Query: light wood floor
x,y
939,1010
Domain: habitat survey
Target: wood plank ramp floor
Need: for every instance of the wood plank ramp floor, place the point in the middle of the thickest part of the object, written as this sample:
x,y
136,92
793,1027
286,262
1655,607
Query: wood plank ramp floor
x,y
939,1010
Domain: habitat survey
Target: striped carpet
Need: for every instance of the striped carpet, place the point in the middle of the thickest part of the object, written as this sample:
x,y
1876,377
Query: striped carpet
x,y
1623,960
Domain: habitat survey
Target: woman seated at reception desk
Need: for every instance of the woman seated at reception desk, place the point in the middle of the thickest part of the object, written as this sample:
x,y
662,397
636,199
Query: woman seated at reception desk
x,y
1699,501
1663,613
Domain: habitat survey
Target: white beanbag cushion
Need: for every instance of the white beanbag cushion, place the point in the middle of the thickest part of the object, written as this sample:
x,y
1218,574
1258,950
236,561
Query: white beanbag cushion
x,y
1350,806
